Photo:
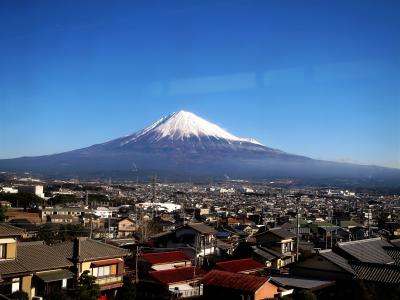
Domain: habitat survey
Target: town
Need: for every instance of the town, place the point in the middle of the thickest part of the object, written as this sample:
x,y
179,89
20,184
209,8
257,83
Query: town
x,y
100,239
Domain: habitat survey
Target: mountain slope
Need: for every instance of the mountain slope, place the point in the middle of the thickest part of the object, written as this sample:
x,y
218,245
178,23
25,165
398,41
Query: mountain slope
x,y
183,144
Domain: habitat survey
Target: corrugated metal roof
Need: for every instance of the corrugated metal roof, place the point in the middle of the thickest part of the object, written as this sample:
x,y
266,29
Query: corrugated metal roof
x,y
240,265
107,262
165,257
178,274
237,281
55,275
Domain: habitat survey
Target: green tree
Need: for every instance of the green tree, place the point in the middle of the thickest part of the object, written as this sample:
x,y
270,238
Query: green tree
x,y
62,199
3,211
127,291
87,289
305,295
48,233
19,296
24,200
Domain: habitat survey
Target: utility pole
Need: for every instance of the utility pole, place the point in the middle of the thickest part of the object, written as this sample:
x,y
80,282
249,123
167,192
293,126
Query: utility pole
x,y
369,228
297,231
91,228
109,226
136,265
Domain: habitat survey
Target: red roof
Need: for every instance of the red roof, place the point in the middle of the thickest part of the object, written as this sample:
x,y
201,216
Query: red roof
x,y
237,281
106,262
177,275
165,257
240,265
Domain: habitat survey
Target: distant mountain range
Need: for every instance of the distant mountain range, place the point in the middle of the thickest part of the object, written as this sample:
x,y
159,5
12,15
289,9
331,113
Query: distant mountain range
x,y
183,145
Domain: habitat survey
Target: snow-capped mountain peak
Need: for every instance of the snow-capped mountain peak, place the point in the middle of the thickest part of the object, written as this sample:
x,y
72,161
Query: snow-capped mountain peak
x,y
183,125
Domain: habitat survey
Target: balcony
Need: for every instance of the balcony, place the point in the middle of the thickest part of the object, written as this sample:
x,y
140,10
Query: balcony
x,y
109,280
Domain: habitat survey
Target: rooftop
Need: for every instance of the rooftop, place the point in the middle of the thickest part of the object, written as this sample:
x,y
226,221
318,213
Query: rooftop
x,y
89,249
7,230
237,281
178,274
368,250
165,257
240,265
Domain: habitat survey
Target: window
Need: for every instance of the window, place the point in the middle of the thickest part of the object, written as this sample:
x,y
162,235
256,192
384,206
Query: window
x,y
3,248
102,271
15,285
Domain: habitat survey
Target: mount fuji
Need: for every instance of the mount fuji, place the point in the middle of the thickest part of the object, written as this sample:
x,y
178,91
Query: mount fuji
x,y
182,145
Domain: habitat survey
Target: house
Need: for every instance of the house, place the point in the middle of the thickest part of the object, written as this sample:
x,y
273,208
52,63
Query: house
x,y
103,261
279,243
245,266
72,211
226,285
326,265
372,250
277,239
182,282
198,235
102,212
166,260
126,228
49,274
14,276
63,219
33,267
298,283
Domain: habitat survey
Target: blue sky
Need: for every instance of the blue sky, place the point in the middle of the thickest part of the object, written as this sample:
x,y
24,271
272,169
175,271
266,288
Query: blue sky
x,y
317,78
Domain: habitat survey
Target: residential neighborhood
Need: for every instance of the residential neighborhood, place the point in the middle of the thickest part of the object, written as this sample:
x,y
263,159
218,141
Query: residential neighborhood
x,y
275,242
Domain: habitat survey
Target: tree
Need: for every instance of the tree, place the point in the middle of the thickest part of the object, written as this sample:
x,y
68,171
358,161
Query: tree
x,y
48,233
19,296
62,199
3,211
305,295
22,199
87,289
127,291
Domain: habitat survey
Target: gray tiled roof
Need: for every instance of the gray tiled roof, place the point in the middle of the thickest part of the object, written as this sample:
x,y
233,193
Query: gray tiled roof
x,y
202,228
8,267
7,230
368,250
395,242
337,260
377,272
90,250
37,256
282,233
394,253
302,283
266,253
